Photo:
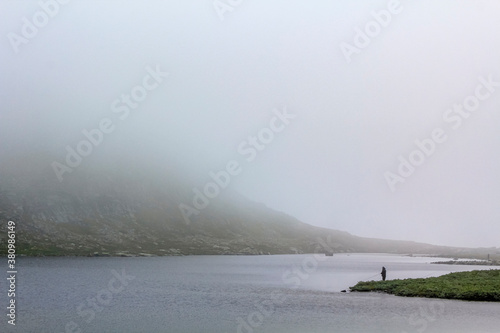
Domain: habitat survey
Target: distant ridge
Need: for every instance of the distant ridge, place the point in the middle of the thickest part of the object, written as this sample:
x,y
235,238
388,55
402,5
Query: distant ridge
x,y
127,213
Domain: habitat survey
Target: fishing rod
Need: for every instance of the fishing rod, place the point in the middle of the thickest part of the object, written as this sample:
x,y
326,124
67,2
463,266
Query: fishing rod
x,y
372,276
343,291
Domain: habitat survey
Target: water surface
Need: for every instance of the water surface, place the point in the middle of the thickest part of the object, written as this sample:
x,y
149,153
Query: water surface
x,y
283,293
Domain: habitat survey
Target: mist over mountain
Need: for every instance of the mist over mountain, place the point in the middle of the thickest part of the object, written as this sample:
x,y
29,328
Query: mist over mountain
x,y
177,89
133,208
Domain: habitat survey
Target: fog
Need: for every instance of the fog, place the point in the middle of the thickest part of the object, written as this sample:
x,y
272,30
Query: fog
x,y
314,106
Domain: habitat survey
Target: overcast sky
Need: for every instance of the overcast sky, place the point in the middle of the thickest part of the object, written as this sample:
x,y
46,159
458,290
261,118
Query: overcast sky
x,y
359,101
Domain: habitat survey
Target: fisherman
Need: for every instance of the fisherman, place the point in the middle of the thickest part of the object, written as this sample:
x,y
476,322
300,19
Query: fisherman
x,y
383,273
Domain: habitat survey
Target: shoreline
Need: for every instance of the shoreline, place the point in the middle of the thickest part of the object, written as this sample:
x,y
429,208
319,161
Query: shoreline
x,y
479,285
468,262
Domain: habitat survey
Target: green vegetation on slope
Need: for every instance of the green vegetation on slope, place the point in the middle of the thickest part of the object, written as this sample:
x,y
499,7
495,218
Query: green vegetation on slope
x,y
470,286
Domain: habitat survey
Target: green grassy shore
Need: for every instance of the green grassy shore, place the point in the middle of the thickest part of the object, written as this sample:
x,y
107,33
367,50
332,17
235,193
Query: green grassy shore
x,y
469,286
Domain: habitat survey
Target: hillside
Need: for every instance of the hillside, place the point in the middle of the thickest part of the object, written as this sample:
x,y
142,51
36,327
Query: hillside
x,y
130,213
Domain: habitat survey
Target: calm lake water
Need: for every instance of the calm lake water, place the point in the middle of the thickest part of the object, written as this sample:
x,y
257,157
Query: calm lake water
x,y
283,293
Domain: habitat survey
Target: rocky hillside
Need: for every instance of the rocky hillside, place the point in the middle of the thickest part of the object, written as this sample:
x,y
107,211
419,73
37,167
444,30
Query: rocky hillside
x,y
123,213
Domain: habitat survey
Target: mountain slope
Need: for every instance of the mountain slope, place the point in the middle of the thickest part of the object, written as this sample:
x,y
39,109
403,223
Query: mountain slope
x,y
128,213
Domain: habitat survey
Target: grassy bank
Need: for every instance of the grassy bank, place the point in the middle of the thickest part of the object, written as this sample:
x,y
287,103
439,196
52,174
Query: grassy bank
x,y
470,286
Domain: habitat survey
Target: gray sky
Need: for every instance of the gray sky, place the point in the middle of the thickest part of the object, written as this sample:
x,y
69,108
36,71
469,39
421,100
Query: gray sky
x,y
354,115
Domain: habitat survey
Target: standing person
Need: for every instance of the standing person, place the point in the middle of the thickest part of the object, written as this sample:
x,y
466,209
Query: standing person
x,y
383,273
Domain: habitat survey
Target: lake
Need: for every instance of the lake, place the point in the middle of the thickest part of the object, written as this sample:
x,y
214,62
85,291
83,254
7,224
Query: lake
x,y
280,293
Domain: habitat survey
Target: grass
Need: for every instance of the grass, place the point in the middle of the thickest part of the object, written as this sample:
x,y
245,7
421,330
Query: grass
x,y
481,285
